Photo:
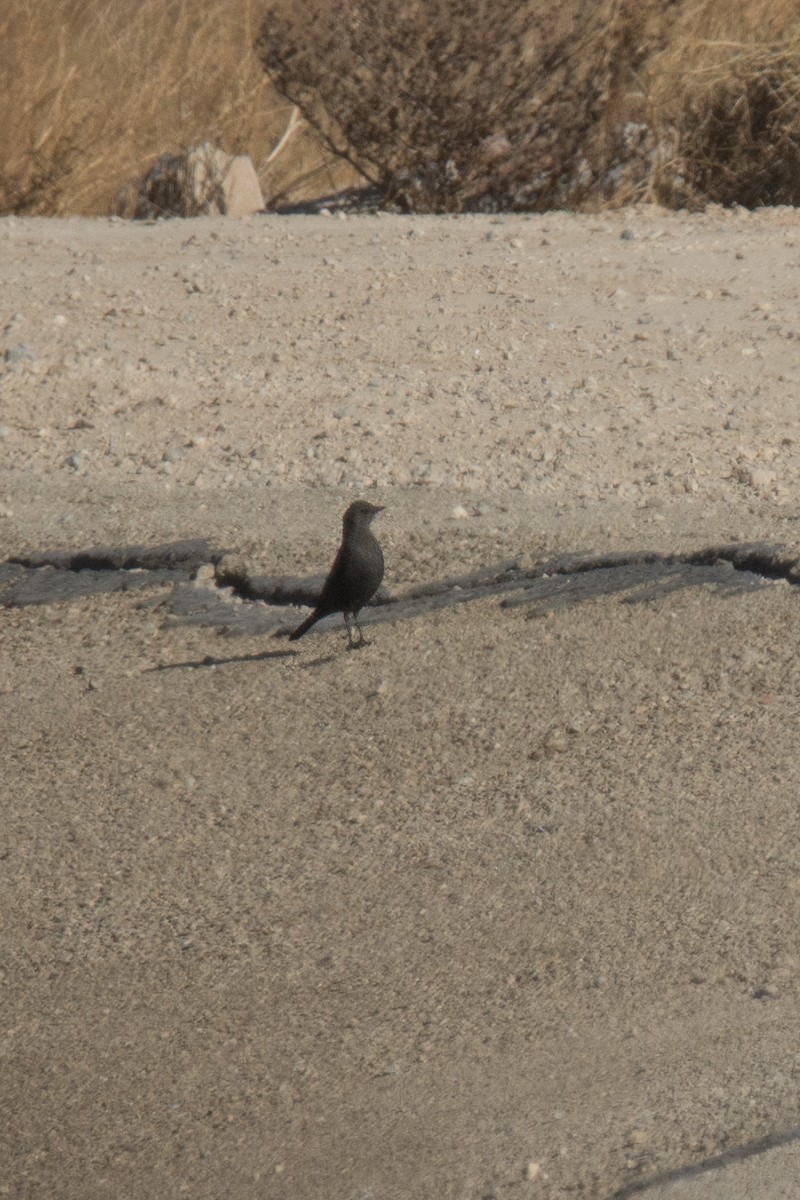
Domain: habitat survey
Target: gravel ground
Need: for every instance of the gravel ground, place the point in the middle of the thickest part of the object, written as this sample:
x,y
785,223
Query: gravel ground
x,y
503,905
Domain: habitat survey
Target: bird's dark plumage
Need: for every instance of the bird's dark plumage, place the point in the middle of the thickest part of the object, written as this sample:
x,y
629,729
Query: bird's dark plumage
x,y
356,573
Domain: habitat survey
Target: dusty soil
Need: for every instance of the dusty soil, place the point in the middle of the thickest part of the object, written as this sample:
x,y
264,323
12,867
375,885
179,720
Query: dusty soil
x,y
501,905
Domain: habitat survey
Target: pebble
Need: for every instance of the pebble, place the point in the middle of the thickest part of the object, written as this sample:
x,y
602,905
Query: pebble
x,y
761,478
557,742
430,473
396,407
21,353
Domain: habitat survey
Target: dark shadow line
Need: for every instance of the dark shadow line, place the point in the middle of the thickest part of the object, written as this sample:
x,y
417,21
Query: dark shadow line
x,y
175,562
760,559
187,554
770,1141
209,661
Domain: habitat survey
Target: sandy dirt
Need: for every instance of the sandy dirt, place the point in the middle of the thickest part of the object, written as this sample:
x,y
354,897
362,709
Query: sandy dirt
x,y
501,905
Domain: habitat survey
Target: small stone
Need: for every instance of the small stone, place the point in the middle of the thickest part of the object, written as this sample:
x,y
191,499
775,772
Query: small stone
x,y
429,473
533,1170
761,479
459,513
21,353
74,461
557,742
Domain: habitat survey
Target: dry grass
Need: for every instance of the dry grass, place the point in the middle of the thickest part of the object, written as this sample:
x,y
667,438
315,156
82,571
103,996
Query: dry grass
x,y
93,92
445,104
725,98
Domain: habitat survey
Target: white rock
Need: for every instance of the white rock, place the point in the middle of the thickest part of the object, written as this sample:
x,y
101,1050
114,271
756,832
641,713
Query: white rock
x,y
762,479
200,181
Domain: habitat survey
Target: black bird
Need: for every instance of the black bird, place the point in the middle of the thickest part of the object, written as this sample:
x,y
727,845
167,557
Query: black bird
x,y
356,573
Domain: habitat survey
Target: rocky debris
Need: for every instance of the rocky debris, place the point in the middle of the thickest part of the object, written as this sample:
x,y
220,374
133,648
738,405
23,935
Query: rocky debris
x,y
201,181
608,381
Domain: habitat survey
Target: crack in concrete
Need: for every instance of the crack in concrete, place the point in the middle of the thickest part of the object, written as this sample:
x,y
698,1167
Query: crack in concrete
x,y
188,554
561,582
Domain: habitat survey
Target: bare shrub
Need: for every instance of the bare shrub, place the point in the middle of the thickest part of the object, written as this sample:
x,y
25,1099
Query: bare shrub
x,y
468,104
458,104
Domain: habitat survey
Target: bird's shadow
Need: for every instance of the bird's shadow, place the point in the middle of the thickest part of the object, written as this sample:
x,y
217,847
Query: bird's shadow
x,y
196,664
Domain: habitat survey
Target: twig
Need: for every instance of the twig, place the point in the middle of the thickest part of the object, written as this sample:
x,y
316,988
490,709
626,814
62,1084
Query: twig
x,y
294,121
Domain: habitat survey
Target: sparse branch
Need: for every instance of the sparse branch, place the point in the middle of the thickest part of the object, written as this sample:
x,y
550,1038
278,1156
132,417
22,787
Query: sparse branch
x,y
294,121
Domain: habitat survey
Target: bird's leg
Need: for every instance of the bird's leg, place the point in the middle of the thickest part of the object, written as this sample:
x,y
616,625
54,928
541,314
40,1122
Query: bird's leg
x,y
352,644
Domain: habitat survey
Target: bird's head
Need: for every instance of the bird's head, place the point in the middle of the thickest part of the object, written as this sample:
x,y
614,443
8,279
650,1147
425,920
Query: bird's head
x,y
361,513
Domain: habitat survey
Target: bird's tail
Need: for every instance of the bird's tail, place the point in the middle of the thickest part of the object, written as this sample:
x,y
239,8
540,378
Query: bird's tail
x,y
304,628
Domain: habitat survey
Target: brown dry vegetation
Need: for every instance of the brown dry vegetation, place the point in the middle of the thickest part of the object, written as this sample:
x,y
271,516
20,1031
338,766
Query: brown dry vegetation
x,y
468,104
458,104
451,104
91,95
724,96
